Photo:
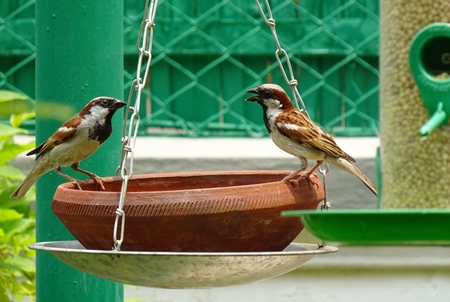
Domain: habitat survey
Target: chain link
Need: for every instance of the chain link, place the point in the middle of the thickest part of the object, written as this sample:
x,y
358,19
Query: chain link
x,y
279,54
324,169
144,46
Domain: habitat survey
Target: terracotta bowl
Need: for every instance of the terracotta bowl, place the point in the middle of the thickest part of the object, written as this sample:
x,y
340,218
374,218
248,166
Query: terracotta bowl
x,y
228,211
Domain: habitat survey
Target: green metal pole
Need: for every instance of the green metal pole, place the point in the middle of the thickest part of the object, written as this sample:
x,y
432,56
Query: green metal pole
x,y
79,56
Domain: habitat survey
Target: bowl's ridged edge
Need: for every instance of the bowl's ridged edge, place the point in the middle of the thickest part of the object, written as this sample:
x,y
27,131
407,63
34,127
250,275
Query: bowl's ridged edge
x,y
171,206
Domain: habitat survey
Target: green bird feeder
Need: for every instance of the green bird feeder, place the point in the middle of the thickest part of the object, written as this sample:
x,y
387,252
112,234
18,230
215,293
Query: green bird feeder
x,y
429,60
414,104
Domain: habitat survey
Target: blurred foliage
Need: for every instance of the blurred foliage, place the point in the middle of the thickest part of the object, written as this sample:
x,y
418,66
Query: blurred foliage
x,y
14,103
17,218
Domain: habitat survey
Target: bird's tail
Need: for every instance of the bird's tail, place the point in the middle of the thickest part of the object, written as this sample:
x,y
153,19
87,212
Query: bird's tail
x,y
351,168
26,184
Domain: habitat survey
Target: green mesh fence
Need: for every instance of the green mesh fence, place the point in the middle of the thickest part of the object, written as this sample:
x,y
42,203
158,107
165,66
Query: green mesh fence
x,y
206,54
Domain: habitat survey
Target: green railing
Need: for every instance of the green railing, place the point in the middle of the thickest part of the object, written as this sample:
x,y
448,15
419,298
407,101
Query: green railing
x,y
206,54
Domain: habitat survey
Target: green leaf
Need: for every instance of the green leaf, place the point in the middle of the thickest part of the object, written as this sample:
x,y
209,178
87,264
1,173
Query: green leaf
x,y
21,263
11,150
21,205
16,226
7,96
17,119
17,232
8,131
12,228
29,289
7,215
11,172
7,186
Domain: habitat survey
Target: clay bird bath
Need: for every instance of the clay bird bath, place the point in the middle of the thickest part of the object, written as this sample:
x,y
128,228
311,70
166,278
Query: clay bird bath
x,y
227,211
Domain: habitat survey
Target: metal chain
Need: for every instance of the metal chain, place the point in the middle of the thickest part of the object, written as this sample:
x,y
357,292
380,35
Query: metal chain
x,y
291,81
323,169
144,46
279,53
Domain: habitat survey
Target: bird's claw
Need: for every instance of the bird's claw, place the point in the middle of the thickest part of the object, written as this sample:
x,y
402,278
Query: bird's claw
x,y
308,178
99,181
288,178
293,181
76,183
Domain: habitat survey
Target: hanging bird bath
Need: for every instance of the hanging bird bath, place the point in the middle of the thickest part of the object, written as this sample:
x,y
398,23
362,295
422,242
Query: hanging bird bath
x,y
230,211
187,230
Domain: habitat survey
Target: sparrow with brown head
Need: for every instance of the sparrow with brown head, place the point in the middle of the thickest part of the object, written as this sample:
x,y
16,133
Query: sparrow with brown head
x,y
295,133
78,138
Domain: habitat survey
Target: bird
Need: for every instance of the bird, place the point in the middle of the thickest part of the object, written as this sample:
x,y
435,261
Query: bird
x,y
295,133
76,139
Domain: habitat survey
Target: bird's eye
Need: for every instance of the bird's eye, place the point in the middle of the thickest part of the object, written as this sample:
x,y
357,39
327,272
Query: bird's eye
x,y
267,94
104,102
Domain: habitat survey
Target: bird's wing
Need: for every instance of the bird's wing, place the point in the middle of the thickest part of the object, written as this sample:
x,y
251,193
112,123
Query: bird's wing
x,y
295,125
64,133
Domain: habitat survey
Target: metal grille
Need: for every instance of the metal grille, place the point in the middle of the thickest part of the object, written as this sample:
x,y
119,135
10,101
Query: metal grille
x,y
208,53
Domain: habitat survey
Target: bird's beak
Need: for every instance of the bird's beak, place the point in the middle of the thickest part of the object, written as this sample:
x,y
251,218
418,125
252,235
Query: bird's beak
x,y
119,104
255,98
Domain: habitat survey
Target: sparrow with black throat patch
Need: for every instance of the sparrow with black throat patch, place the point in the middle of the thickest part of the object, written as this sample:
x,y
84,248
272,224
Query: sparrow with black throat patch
x,y
295,133
78,138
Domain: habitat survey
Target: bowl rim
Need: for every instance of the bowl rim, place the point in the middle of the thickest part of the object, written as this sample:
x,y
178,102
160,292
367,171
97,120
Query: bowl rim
x,y
70,187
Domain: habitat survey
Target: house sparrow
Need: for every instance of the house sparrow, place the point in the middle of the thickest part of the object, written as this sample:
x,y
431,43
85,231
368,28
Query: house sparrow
x,y
293,132
75,140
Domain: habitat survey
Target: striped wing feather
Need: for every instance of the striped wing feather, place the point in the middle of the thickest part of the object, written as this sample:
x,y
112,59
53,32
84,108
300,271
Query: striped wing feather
x,y
295,125
64,133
